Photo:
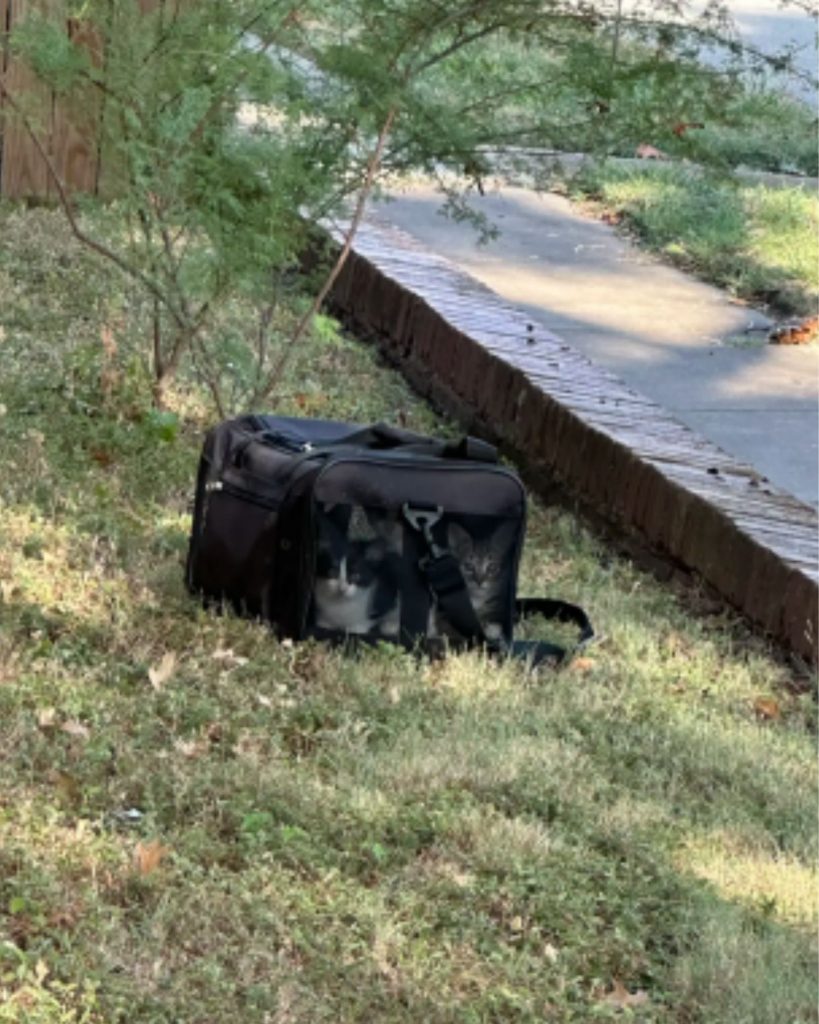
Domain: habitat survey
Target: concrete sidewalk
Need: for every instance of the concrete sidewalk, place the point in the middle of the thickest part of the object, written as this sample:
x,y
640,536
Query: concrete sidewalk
x,y
683,344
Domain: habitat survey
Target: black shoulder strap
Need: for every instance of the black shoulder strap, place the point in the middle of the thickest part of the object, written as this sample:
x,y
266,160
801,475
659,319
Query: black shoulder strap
x,y
445,579
549,608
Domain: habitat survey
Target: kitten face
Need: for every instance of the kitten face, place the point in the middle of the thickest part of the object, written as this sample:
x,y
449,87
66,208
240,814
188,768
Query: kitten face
x,y
344,589
484,561
352,591
346,575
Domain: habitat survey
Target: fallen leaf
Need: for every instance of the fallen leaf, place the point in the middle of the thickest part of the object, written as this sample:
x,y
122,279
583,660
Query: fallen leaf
x,y
161,673
214,732
109,342
148,856
47,719
767,709
622,998
228,656
550,952
265,702
76,729
190,748
646,152
798,332
583,664
682,127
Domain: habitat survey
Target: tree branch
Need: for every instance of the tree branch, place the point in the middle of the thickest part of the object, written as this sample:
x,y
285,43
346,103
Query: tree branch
x,y
358,214
65,202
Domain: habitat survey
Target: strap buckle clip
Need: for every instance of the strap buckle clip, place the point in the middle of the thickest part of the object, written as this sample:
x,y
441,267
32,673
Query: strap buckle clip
x,y
422,520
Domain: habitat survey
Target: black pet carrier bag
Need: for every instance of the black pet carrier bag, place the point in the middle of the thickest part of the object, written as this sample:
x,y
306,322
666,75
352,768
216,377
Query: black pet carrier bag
x,y
338,532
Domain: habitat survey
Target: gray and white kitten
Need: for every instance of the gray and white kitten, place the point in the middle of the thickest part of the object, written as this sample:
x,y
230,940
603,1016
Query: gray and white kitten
x,y
354,590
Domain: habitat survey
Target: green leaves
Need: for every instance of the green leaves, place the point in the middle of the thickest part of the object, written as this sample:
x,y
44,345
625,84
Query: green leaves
x,y
227,128
162,425
44,45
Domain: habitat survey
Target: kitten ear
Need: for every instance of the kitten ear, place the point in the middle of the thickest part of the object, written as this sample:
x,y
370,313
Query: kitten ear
x,y
385,528
504,537
460,540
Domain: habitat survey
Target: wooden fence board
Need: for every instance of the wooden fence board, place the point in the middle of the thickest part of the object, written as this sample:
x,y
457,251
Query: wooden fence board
x,y
5,19
67,130
76,126
23,172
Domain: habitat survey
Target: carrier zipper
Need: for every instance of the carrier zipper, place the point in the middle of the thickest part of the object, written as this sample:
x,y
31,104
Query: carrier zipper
x,y
277,438
425,462
284,442
281,442
222,486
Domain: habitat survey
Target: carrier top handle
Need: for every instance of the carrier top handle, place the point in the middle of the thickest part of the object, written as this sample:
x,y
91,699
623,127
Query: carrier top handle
x,y
382,436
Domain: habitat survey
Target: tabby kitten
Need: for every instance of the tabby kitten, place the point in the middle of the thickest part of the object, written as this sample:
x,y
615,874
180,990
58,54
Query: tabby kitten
x,y
486,566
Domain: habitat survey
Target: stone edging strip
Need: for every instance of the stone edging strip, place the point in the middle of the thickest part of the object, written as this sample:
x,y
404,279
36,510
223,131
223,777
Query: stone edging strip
x,y
578,426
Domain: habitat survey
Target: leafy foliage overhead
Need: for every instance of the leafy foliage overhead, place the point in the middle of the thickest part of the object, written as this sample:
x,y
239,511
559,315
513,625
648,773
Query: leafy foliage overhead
x,y
243,124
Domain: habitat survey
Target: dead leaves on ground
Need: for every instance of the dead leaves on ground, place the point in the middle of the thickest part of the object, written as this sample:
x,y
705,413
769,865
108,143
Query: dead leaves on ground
x,y
620,998
646,152
767,709
210,736
159,675
796,332
227,657
149,856
76,730
48,722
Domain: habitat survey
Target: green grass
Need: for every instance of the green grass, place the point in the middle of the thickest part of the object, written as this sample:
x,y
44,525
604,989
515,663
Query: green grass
x,y
765,130
760,243
371,838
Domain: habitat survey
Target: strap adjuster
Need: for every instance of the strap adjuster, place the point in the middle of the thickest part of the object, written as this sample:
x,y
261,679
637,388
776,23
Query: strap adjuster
x,y
422,520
